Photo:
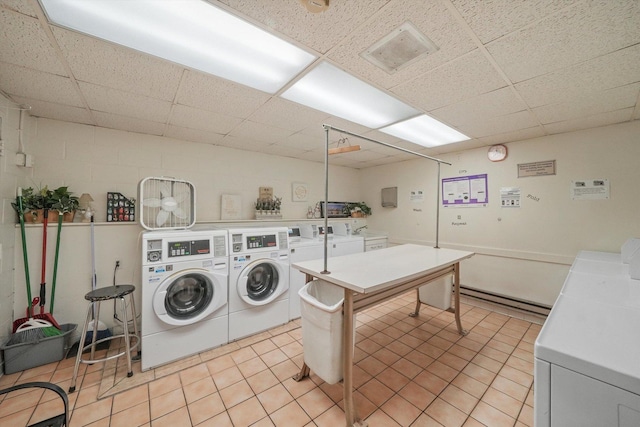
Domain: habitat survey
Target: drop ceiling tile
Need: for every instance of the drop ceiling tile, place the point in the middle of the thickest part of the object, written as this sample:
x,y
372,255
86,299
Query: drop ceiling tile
x,y
95,61
486,126
243,143
431,18
193,118
496,103
597,120
517,135
609,71
114,121
115,101
211,93
39,85
589,104
281,150
19,6
584,31
303,142
260,132
24,43
467,76
319,31
490,20
289,115
313,156
56,111
193,135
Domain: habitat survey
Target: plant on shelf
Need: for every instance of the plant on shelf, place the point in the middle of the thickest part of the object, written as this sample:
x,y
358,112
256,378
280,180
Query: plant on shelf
x,y
64,203
36,200
359,209
268,208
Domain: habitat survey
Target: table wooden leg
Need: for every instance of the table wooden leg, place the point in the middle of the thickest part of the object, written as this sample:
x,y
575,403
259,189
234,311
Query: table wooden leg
x,y
456,297
304,373
418,304
347,362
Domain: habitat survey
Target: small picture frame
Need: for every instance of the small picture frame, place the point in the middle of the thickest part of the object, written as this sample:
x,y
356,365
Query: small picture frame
x,y
299,192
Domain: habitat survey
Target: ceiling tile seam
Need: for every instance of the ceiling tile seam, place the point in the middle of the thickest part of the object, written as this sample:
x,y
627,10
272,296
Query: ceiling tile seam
x,y
460,19
534,22
636,110
174,102
44,24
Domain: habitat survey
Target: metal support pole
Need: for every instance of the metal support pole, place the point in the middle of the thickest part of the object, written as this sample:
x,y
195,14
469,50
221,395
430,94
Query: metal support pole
x,y
326,198
438,210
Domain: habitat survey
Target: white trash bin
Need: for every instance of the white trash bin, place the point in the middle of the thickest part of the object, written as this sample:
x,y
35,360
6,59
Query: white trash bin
x,y
322,322
437,293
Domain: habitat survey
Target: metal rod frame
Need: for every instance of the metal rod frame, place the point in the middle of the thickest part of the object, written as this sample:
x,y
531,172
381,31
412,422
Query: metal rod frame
x,y
327,129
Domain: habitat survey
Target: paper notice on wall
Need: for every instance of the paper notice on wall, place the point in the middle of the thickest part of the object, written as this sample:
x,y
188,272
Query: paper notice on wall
x,y
510,197
231,206
416,196
590,189
465,191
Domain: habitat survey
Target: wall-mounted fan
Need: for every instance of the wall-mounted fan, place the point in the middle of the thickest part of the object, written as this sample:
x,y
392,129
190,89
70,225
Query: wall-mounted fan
x,y
167,203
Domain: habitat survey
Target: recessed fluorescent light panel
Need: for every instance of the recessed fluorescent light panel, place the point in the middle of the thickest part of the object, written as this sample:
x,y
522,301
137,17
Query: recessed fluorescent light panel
x,y
193,33
426,131
327,88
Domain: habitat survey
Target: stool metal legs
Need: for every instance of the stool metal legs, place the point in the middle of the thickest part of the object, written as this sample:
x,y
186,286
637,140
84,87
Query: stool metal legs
x,y
125,335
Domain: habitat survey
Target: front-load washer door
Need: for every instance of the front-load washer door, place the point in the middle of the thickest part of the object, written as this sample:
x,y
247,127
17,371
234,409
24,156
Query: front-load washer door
x,y
188,296
261,282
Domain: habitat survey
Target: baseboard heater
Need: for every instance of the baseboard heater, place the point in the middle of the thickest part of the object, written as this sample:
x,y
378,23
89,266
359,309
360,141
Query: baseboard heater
x,y
506,301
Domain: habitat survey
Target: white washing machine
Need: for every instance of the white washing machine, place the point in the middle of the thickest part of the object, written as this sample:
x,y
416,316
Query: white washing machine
x,y
184,294
258,280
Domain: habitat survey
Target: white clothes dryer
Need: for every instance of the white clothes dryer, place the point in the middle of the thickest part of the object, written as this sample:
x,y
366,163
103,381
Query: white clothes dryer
x,y
258,280
184,294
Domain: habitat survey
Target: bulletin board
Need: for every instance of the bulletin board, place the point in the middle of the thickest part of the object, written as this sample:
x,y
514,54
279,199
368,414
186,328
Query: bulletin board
x,y
469,191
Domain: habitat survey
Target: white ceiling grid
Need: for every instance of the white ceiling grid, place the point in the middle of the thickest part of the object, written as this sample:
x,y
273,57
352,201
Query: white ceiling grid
x,y
505,70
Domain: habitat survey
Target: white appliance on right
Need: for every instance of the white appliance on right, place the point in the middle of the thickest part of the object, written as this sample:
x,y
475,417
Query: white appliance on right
x,y
587,355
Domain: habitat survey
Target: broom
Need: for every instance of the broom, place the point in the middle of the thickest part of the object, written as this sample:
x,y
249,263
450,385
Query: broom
x,y
28,329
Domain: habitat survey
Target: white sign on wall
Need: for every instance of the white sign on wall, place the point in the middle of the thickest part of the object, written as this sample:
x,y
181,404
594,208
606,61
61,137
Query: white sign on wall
x,y
465,191
510,197
590,189
417,196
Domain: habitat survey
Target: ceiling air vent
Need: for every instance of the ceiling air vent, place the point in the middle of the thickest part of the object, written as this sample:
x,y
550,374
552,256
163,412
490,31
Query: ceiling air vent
x,y
399,49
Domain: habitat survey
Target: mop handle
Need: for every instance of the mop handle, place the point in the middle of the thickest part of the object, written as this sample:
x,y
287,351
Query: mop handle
x,y
24,250
55,263
44,259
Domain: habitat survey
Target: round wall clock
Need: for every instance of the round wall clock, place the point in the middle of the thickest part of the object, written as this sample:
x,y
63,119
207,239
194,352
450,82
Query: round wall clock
x,y
497,153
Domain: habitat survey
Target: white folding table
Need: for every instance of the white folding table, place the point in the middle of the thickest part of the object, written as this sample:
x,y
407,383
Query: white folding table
x,y
370,278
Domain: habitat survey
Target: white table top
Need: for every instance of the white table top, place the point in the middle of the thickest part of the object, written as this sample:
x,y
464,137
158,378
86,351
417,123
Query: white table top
x,y
592,328
373,271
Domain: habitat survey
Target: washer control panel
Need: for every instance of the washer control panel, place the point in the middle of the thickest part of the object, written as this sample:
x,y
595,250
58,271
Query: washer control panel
x,y
182,248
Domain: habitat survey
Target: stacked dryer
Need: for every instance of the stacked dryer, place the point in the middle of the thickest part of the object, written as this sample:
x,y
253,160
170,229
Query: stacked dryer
x,y
258,280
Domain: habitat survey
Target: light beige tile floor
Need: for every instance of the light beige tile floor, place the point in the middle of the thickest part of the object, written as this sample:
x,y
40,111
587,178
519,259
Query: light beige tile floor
x,y
409,372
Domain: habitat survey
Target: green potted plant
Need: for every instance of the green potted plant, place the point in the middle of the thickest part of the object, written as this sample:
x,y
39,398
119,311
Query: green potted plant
x,y
34,201
359,209
64,203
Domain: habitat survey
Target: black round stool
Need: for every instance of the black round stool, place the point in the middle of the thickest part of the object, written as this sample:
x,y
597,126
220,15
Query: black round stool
x,y
117,293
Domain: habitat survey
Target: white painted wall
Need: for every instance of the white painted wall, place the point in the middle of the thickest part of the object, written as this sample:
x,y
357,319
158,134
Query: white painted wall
x,y
96,160
523,253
